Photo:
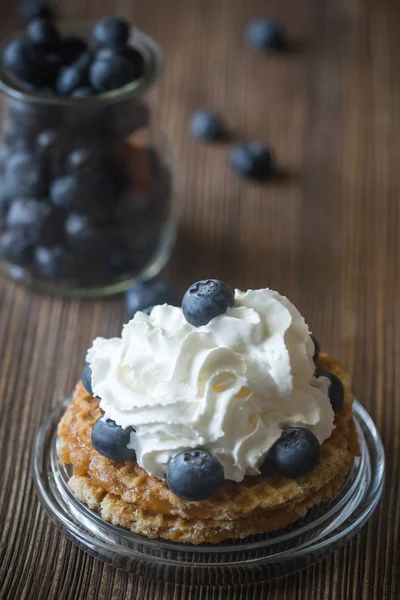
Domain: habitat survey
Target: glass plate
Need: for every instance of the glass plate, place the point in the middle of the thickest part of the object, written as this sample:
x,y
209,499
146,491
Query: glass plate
x,y
324,529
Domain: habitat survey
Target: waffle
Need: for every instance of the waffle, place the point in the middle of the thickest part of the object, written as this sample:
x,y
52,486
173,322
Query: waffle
x,y
126,495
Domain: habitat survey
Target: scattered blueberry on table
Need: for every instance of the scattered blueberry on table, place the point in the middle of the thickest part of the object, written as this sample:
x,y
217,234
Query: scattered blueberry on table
x,y
194,475
251,159
206,125
205,300
111,440
264,34
294,454
146,294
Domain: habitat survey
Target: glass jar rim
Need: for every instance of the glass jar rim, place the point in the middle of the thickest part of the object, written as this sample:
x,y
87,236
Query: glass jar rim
x,y
150,49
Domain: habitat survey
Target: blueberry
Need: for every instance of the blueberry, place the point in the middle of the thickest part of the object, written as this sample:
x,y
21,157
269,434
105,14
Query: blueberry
x,y
46,141
35,9
84,160
75,76
336,390
15,139
16,247
150,293
92,193
206,125
133,55
205,300
105,53
194,475
25,62
64,192
17,273
264,34
37,218
82,232
251,159
24,176
84,61
83,92
110,74
111,31
295,453
111,440
87,378
43,33
71,48
316,348
52,262
71,79
30,118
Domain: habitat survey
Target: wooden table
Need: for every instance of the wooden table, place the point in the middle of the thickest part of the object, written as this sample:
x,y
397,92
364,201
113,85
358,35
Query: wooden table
x,y
326,234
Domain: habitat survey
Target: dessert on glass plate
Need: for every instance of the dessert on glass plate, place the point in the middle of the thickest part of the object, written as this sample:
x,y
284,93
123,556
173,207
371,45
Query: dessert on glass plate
x,y
213,421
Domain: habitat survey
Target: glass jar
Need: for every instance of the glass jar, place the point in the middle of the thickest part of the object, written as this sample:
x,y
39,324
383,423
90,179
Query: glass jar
x,y
86,185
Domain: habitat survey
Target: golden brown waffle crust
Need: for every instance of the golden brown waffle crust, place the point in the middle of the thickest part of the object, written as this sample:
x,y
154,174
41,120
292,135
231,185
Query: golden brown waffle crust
x,y
128,496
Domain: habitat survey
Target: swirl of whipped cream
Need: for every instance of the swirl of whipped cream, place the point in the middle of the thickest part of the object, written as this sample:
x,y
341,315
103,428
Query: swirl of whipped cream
x,y
230,386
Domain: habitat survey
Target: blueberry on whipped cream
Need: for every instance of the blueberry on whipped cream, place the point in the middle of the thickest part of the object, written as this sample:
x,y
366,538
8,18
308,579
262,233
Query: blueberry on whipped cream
x,y
205,300
224,391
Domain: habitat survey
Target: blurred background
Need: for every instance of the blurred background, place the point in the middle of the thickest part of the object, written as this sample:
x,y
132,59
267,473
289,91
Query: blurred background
x,y
324,231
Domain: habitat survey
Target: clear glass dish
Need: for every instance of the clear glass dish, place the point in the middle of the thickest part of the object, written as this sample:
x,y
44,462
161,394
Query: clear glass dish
x,y
323,530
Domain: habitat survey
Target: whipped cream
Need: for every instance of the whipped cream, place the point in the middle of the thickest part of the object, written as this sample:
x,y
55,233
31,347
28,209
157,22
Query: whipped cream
x,y
230,386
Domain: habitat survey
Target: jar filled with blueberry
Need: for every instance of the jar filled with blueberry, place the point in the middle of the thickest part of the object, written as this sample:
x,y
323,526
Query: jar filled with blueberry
x,y
85,171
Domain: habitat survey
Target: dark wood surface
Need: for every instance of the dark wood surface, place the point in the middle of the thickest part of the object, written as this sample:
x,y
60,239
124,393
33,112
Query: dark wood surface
x,y
326,234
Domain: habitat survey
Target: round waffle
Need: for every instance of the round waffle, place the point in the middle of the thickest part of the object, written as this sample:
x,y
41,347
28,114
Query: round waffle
x,y
128,496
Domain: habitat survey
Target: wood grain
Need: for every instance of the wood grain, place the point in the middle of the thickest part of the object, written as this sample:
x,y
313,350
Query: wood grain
x,y
326,234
